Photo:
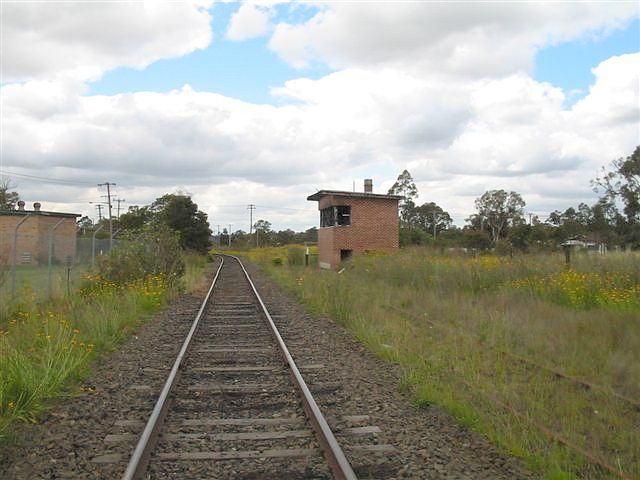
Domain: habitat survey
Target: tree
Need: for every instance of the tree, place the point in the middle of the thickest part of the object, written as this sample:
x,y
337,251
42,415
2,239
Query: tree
x,y
224,237
475,239
406,188
8,199
414,236
311,234
432,218
451,236
500,210
520,236
284,237
263,231
135,218
84,224
623,183
180,214
555,218
240,237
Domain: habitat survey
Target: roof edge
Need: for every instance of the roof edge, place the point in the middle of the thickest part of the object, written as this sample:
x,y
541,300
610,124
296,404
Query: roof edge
x,y
23,213
339,193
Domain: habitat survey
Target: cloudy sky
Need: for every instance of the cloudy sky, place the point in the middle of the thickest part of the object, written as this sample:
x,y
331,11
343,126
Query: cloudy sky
x,y
266,102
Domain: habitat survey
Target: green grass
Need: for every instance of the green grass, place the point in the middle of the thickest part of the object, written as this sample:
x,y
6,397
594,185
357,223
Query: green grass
x,y
35,280
193,278
46,348
448,320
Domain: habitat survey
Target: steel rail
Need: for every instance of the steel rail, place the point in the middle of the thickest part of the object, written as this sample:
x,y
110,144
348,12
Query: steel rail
x,y
140,458
331,449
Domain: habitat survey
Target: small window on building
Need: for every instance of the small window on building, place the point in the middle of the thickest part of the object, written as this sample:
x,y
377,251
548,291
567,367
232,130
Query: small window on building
x,y
334,216
345,255
326,217
343,216
25,259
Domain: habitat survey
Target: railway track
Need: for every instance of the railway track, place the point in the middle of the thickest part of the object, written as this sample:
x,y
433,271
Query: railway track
x,y
235,404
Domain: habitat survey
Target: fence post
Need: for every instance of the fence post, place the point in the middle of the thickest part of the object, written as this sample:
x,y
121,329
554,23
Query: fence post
x,y
93,245
567,255
51,255
15,255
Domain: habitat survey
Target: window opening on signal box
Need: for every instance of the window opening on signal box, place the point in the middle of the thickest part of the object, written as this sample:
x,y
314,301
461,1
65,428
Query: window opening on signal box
x,y
339,215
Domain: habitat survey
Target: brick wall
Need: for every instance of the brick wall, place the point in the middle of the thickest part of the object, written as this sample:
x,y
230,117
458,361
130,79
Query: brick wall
x,y
374,227
33,237
64,239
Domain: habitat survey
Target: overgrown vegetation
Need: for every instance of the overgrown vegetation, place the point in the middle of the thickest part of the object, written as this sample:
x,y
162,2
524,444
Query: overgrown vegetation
x,y
488,337
153,251
46,349
176,212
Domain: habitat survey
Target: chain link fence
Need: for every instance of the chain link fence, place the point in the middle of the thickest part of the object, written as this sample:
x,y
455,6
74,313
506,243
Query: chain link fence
x,y
37,265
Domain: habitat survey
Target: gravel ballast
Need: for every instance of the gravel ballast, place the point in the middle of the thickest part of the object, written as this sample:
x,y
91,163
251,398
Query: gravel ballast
x,y
70,442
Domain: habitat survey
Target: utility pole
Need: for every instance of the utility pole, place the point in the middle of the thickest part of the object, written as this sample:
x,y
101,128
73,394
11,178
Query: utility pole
x,y
108,185
230,235
218,235
119,201
251,207
99,207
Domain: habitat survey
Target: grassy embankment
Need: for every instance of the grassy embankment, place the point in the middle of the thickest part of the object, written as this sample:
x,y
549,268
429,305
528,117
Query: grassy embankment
x,y
46,349
483,337
35,280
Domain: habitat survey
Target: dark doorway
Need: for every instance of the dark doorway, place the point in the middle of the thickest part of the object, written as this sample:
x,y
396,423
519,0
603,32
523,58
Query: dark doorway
x,y
345,255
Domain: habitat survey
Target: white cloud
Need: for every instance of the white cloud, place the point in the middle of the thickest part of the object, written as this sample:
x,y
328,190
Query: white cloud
x,y
81,40
470,39
457,139
248,22
615,96
422,87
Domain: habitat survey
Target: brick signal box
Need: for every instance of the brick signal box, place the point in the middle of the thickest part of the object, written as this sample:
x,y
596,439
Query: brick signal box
x,y
355,222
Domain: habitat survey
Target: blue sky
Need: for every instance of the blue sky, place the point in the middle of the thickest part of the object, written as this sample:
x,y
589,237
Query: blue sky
x,y
248,70
568,65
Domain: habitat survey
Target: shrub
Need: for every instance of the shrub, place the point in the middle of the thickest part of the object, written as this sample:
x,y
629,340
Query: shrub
x,y
153,252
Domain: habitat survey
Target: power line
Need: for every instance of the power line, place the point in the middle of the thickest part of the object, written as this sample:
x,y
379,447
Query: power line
x,y
45,179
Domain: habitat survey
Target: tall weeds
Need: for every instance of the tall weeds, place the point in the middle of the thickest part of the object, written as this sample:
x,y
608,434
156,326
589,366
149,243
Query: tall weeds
x,y
46,349
481,336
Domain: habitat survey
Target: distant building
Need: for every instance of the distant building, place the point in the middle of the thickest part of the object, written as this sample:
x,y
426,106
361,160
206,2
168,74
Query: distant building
x,y
352,223
32,246
585,243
